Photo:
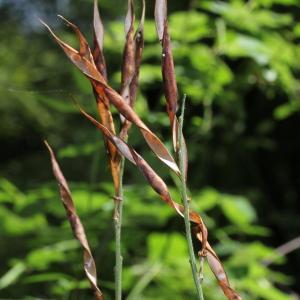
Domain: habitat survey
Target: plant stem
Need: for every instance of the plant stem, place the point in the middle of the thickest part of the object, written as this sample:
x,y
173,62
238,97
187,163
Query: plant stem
x,y
118,231
145,280
185,200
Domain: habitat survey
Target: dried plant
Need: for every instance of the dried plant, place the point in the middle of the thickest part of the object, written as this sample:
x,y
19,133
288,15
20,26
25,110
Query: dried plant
x,y
77,227
92,64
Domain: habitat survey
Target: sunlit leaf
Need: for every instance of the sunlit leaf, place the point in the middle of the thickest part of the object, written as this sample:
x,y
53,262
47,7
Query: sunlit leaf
x,y
12,275
238,210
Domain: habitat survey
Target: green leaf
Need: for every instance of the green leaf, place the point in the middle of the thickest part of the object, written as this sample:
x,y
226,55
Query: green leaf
x,y
12,275
40,259
189,26
207,199
160,245
238,210
285,110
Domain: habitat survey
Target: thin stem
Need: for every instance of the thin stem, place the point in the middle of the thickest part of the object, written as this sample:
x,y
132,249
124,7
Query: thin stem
x,y
146,279
118,231
185,200
283,250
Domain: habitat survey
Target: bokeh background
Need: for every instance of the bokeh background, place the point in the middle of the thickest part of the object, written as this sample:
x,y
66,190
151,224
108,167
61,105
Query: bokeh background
x,y
239,64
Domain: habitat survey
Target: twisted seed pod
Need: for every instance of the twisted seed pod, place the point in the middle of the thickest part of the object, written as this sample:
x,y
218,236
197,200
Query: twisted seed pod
x,y
104,90
76,225
161,188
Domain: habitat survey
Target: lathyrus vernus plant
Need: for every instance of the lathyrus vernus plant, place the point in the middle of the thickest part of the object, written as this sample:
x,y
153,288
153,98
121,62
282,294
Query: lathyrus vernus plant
x,y
92,64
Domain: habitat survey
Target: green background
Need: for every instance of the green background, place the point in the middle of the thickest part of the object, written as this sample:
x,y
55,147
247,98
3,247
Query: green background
x,y
239,64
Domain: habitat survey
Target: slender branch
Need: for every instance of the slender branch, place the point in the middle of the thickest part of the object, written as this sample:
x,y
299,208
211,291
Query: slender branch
x,y
144,281
288,247
118,230
283,250
185,200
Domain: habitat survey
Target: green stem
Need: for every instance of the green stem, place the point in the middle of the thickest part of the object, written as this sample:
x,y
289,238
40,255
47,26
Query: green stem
x,y
185,200
118,231
146,279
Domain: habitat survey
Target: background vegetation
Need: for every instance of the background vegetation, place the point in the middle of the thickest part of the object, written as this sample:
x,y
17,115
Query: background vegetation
x,y
239,64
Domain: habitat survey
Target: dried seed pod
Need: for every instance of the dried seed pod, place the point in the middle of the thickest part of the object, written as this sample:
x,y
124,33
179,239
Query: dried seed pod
x,y
161,188
104,90
132,57
76,225
103,104
98,42
168,73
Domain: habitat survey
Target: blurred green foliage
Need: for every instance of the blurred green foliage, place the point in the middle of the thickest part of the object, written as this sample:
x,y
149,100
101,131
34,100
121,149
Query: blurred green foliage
x,y
238,62
49,262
